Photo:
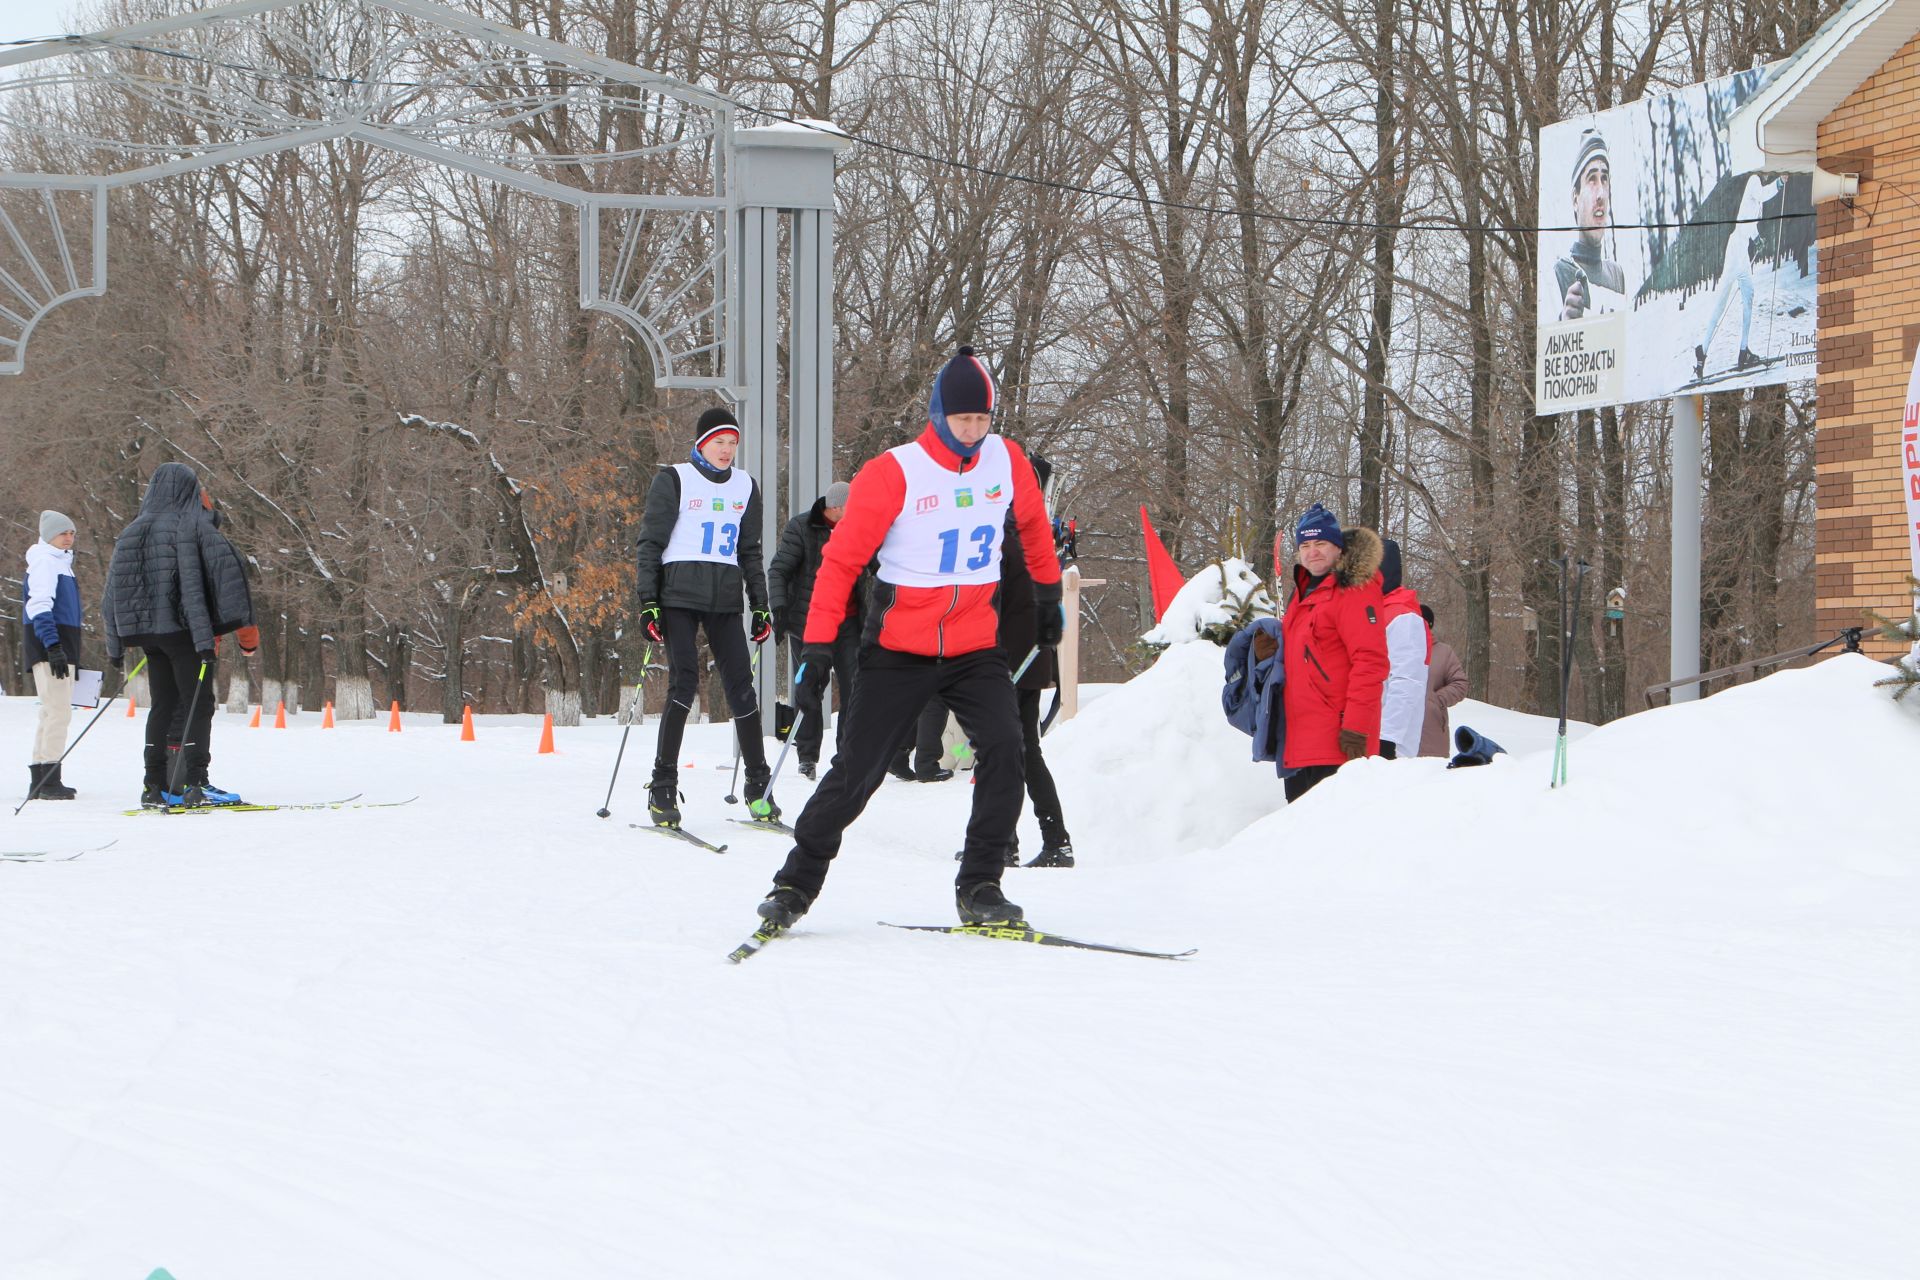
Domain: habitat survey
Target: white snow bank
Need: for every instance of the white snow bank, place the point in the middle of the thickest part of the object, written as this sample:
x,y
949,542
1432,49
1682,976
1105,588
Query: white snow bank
x,y
1660,1023
1212,596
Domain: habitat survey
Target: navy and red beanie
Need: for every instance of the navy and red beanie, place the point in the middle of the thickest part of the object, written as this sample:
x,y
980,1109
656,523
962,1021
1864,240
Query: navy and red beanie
x,y
1319,525
963,386
715,421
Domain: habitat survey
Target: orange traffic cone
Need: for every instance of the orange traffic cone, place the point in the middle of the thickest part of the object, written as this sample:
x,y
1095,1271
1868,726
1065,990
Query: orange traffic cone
x,y
393,719
130,706
326,720
280,715
466,724
255,722
546,736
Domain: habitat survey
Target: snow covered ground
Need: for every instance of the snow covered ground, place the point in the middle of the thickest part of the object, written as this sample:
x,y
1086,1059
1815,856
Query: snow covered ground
x,y
1661,1023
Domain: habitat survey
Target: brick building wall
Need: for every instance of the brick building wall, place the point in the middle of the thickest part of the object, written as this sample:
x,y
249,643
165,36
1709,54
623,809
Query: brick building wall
x,y
1869,265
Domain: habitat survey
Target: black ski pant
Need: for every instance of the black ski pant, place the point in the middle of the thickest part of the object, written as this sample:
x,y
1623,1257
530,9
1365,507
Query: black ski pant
x,y
889,694
925,737
729,644
1306,779
1040,788
846,659
173,675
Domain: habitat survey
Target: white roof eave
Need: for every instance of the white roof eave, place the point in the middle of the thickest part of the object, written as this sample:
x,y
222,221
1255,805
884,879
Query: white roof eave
x,y
1778,128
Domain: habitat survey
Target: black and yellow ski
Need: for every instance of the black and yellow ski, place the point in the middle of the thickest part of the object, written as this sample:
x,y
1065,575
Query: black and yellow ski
x,y
1021,931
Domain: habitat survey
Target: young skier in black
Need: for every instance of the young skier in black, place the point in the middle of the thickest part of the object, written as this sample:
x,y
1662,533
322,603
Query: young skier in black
x,y
933,512
699,549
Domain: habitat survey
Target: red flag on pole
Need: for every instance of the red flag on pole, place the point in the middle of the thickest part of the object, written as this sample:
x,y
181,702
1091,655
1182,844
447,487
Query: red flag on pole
x,y
1163,575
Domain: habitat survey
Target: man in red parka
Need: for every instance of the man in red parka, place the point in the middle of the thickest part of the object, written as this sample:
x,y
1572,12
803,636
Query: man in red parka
x,y
1335,648
931,512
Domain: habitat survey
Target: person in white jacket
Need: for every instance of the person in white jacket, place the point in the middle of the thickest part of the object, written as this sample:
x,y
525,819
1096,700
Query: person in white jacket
x,y
50,608
1403,699
1736,274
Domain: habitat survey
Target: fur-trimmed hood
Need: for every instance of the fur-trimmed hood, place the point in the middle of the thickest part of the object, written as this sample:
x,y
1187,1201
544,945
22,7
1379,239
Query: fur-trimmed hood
x,y
1361,560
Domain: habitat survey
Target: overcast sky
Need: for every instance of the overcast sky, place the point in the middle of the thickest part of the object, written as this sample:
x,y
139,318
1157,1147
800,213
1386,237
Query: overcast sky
x,y
29,19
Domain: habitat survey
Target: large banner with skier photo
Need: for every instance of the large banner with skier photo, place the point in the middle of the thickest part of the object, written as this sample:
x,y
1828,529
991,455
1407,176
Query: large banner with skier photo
x,y
1663,272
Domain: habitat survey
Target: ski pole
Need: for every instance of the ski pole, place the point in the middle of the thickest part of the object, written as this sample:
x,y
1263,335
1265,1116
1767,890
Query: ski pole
x,y
186,727
760,808
640,705
83,733
734,786
1022,668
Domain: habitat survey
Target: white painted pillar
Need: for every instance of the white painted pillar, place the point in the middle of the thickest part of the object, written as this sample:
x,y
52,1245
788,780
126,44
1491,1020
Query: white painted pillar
x,y
1688,476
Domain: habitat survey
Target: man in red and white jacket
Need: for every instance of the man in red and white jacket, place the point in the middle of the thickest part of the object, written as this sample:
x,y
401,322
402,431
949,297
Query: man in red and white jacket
x,y
931,513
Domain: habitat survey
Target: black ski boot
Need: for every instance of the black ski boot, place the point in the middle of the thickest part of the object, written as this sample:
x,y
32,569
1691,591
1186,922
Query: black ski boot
x,y
759,803
808,769
663,800
60,784
783,906
1748,360
1054,855
153,794
1699,363
983,903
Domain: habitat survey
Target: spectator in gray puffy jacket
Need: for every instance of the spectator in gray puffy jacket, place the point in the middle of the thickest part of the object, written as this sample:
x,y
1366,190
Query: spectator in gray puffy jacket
x,y
174,585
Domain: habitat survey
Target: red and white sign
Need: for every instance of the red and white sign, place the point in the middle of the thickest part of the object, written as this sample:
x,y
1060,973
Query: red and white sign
x,y
1910,463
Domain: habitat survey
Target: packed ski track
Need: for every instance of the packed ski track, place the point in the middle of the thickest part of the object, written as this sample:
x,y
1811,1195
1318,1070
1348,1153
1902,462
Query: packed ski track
x,y
1659,1023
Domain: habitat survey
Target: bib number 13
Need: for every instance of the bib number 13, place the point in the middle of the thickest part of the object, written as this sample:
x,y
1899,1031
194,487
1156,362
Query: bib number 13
x,y
982,538
729,533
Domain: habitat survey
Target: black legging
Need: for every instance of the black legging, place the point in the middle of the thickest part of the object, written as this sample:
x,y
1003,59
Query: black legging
x,y
173,672
1046,798
729,645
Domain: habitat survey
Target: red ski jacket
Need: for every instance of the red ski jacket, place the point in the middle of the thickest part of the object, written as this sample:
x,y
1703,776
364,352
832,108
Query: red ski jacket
x,y
937,622
1334,653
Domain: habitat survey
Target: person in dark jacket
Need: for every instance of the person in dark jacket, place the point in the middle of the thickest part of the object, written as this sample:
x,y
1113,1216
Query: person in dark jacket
x,y
1019,628
174,586
50,648
790,588
699,551
1333,649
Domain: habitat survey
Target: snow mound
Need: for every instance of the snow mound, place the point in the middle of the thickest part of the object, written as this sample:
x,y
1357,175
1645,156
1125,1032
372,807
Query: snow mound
x,y
1217,594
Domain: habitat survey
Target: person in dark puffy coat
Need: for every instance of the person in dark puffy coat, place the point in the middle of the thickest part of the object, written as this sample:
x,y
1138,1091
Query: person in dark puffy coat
x,y
1019,633
174,585
1334,648
790,589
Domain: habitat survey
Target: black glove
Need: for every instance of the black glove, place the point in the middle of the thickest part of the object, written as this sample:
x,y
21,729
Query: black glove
x,y
1053,616
762,626
650,621
57,662
816,664
780,620
207,658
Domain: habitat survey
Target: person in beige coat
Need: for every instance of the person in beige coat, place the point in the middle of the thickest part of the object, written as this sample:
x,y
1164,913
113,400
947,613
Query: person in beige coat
x,y
1446,685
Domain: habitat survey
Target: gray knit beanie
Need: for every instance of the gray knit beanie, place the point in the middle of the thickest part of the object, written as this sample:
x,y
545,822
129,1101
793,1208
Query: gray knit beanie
x,y
53,524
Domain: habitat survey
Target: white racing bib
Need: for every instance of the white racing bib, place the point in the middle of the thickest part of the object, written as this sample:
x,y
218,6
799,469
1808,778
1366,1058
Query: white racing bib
x,y
948,530
710,517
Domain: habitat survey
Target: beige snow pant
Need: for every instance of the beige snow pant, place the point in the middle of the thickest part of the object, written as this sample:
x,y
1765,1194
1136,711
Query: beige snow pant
x,y
56,714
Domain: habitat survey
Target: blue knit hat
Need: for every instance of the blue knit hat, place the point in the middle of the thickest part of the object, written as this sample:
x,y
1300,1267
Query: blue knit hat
x,y
963,386
1319,525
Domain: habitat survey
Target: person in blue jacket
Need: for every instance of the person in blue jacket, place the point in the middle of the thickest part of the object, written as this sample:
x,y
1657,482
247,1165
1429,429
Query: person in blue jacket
x,y
1251,696
51,648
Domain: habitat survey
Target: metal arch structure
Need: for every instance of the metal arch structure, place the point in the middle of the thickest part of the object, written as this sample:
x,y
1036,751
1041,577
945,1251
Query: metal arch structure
x,y
689,261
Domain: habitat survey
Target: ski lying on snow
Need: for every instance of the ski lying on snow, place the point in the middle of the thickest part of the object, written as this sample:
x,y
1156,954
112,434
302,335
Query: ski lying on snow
x,y
679,834
761,937
764,824
347,803
1021,931
50,855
